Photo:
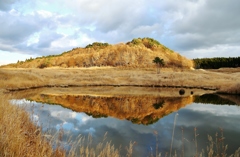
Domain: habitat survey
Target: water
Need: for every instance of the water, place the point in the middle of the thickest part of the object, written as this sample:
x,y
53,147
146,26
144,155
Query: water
x,y
179,123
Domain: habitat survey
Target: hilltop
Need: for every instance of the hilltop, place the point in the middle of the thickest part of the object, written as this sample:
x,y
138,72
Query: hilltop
x,y
139,52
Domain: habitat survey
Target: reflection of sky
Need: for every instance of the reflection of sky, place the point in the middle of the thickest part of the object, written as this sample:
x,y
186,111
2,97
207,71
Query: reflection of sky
x,y
205,117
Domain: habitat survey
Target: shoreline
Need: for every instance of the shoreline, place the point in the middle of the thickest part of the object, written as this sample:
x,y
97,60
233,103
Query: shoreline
x,y
13,79
104,85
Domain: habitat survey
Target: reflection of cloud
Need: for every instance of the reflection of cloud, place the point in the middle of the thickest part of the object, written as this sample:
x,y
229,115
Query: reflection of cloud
x,y
223,110
91,130
67,126
85,119
36,119
206,118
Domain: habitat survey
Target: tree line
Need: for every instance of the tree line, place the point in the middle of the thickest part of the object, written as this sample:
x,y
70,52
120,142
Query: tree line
x,y
212,99
218,62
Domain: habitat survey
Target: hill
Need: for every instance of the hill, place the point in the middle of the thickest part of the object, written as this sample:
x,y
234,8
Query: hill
x,y
139,52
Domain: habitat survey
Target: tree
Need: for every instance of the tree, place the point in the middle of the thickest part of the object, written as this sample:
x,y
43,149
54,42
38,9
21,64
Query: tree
x,y
159,62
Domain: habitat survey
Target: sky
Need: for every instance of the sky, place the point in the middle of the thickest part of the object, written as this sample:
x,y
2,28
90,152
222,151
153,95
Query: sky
x,y
193,28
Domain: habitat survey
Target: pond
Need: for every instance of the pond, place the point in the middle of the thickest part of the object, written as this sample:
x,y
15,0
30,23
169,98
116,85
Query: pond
x,y
155,121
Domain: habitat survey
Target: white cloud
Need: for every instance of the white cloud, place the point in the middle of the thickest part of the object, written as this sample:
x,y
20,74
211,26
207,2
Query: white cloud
x,y
7,57
144,31
215,51
217,110
45,14
192,27
207,25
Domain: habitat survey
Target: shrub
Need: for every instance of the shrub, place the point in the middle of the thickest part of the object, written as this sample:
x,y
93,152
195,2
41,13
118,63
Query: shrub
x,y
135,41
147,42
97,45
43,65
158,105
29,60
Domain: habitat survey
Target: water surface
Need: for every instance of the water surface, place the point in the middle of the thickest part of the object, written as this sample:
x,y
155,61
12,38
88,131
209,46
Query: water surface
x,y
151,120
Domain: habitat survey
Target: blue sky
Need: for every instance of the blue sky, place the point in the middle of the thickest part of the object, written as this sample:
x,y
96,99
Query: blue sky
x,y
194,28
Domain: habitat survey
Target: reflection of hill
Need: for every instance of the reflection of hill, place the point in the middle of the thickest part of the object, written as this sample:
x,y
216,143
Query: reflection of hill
x,y
214,99
138,109
139,105
233,98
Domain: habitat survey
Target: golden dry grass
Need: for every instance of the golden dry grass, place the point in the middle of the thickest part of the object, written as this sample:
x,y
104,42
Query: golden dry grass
x,y
19,137
60,77
233,89
119,55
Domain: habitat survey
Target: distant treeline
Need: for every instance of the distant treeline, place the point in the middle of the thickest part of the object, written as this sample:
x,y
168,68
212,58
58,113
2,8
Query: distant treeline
x,y
212,99
215,63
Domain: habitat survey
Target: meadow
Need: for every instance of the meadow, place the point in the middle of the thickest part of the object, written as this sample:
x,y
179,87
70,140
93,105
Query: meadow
x,y
218,81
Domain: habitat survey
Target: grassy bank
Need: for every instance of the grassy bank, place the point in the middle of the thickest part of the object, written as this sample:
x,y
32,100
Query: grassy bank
x,y
19,137
15,79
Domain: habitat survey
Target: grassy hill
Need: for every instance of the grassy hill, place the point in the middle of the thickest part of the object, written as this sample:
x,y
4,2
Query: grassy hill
x,y
139,52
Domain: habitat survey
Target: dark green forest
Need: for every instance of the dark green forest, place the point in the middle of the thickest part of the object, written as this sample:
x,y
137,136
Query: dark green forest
x,y
212,99
215,63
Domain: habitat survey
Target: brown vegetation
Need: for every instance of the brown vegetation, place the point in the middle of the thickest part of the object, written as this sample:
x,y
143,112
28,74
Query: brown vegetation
x,y
233,89
137,53
18,135
138,109
15,79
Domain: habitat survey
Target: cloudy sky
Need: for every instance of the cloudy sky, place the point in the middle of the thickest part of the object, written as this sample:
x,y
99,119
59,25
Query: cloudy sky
x,y
194,28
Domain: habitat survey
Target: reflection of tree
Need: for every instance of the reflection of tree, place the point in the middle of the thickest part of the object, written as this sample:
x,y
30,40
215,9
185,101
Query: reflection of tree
x,y
147,120
212,99
150,119
97,115
135,120
158,104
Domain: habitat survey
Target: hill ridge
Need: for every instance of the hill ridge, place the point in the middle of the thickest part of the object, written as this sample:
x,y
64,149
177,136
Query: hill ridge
x,y
139,52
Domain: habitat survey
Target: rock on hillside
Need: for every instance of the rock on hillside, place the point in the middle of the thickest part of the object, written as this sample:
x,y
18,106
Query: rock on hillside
x,y
136,53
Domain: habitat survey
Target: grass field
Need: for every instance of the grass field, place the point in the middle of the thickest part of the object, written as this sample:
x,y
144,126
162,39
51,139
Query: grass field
x,y
15,79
